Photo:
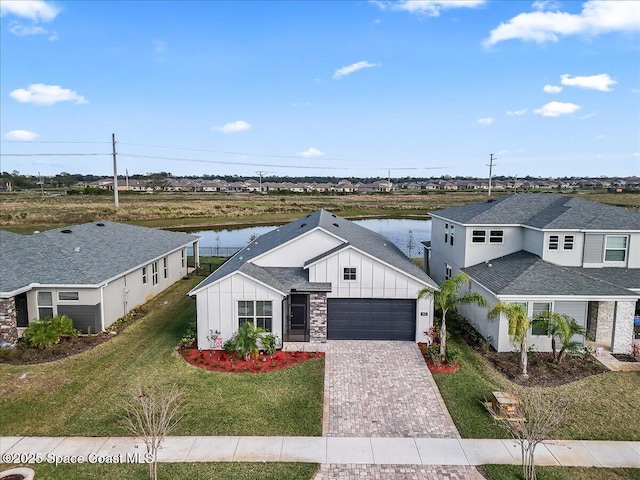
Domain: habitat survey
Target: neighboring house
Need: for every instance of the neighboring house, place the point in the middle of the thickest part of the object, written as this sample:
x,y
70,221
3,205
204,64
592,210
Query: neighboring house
x,y
550,252
317,278
95,273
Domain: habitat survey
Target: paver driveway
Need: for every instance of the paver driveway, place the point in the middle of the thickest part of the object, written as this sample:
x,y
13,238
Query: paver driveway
x,y
381,389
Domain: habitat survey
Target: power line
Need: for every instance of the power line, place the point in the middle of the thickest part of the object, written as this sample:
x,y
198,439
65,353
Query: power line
x,y
53,154
47,141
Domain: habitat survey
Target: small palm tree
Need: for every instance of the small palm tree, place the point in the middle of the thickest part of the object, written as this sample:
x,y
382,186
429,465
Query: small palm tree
x,y
564,327
448,298
519,322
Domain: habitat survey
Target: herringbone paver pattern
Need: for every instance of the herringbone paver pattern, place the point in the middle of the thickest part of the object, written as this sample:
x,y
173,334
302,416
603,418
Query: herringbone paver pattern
x,y
381,389
396,472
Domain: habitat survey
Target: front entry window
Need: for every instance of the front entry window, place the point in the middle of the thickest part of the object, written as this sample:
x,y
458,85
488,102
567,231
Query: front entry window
x,y
257,312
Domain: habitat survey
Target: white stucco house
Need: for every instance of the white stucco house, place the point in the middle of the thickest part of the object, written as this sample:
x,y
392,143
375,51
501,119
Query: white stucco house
x,y
550,252
319,277
95,273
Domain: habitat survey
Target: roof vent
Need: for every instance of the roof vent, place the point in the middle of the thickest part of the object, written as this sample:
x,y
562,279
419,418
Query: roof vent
x,y
333,216
303,225
336,225
491,200
77,249
100,224
65,231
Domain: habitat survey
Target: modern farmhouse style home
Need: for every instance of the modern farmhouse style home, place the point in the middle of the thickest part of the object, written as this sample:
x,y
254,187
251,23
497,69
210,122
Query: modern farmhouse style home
x,y
317,278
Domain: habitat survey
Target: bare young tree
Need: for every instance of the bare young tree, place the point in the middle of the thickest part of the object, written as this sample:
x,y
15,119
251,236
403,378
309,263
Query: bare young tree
x,y
535,418
152,412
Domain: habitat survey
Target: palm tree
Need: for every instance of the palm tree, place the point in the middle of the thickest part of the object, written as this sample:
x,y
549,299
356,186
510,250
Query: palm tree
x,y
563,326
519,322
448,298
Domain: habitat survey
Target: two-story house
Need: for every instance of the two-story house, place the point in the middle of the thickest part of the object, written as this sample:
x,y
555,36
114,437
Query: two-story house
x,y
550,252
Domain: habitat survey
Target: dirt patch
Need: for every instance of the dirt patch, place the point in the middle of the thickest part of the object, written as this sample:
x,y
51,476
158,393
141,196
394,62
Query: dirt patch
x,y
221,361
543,371
23,354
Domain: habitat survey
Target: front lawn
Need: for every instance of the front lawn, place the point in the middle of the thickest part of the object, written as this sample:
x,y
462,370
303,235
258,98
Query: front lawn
x,y
210,471
82,394
514,472
601,407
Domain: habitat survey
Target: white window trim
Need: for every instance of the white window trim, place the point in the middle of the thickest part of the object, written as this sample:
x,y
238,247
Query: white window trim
x,y
626,251
68,299
165,267
154,273
554,242
492,236
145,278
448,271
477,238
39,306
572,242
355,273
255,315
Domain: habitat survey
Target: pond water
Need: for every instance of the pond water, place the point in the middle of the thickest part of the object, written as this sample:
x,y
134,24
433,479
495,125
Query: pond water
x,y
227,241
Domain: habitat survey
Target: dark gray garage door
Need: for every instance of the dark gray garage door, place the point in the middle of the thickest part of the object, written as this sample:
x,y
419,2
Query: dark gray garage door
x,y
371,319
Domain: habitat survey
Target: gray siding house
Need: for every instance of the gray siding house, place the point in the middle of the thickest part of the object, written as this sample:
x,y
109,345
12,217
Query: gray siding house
x,y
551,252
95,273
319,277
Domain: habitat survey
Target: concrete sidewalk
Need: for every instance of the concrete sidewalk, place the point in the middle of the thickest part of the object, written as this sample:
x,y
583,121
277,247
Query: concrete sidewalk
x,y
332,450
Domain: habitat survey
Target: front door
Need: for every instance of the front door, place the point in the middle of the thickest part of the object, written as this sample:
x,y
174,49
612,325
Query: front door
x,y
298,324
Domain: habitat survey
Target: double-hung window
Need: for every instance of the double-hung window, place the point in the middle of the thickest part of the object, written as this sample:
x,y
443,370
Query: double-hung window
x,y
165,267
447,271
144,274
537,327
449,232
257,312
45,305
496,236
154,273
478,236
184,257
568,242
615,249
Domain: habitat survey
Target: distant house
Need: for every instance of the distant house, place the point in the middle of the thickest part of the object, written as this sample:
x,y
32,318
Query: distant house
x,y
317,278
548,252
95,273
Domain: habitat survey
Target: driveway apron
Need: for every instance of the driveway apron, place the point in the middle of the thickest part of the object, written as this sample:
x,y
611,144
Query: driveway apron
x,y
381,389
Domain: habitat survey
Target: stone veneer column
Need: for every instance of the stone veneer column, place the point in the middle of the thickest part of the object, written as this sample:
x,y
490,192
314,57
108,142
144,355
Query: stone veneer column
x,y
318,317
8,321
623,328
604,327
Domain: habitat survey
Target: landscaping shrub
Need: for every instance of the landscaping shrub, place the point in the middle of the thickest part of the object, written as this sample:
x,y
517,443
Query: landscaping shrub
x,y
44,333
189,336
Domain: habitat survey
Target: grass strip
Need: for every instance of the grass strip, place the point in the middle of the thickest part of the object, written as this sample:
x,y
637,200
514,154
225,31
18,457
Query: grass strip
x,y
514,472
208,471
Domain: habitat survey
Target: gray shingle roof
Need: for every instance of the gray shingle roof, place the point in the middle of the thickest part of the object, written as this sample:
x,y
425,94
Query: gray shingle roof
x,y
523,273
544,210
88,255
351,233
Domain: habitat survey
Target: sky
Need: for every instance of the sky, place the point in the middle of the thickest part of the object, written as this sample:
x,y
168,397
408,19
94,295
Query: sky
x,y
337,88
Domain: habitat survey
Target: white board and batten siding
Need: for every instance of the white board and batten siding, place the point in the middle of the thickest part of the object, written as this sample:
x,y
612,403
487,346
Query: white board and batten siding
x,y
374,279
218,304
299,250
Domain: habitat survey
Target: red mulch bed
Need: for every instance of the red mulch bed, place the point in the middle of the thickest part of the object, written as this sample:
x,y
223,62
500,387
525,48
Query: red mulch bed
x,y
221,361
437,367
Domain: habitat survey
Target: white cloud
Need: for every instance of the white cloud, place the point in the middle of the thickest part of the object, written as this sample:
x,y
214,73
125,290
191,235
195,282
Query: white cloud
x,y
20,30
552,89
22,135
36,10
555,109
233,127
349,69
542,5
596,17
517,112
484,121
636,154
301,104
311,153
41,94
588,115
601,82
635,90
429,8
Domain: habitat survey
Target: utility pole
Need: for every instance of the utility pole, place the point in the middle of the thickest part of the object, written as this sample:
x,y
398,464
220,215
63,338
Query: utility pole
x,y
127,178
41,184
491,165
261,173
115,170
515,187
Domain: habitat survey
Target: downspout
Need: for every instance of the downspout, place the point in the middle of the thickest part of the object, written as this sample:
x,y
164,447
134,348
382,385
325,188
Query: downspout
x,y
102,307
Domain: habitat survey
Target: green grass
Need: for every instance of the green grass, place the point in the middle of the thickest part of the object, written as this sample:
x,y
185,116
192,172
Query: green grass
x,y
83,394
601,407
195,471
514,472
